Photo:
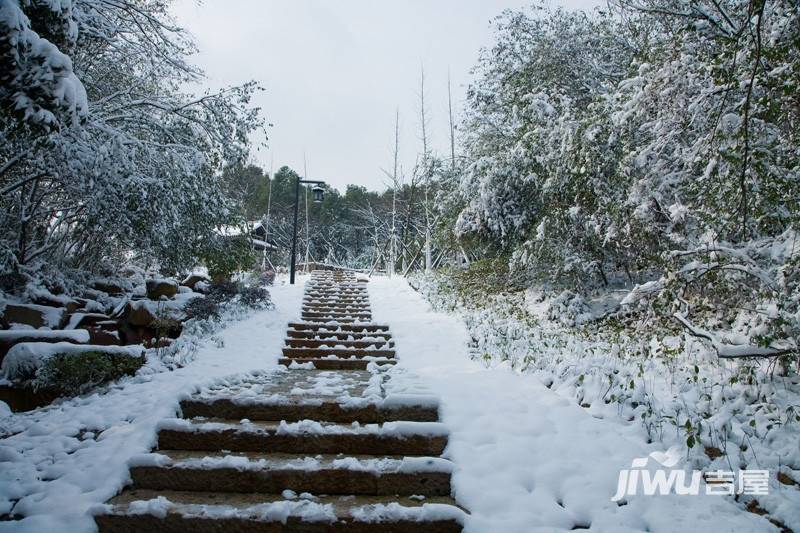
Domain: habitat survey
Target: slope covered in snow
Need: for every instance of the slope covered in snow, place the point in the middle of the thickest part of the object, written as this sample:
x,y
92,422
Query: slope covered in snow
x,y
526,458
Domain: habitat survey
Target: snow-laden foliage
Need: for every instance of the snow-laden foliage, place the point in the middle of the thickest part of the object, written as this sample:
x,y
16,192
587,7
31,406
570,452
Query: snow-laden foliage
x,y
726,414
652,144
37,80
103,152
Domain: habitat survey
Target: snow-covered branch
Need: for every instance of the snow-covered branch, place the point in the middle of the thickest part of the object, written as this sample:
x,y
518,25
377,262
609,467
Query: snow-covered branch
x,y
733,351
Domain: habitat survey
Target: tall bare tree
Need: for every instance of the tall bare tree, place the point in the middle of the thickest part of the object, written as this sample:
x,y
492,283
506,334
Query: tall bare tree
x,y
425,168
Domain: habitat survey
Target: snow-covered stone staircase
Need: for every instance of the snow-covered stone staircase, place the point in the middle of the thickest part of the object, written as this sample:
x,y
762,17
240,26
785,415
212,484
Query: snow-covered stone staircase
x,y
339,439
337,332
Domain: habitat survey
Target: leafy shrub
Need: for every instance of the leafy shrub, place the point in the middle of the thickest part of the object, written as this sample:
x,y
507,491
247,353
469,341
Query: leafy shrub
x,y
255,297
77,373
227,255
167,326
222,291
267,277
470,286
202,308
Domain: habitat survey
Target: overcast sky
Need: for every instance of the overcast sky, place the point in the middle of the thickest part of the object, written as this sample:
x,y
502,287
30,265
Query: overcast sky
x,y
335,72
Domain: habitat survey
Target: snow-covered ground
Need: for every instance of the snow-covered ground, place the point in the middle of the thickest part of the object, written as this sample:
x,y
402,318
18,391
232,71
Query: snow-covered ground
x,y
526,458
62,459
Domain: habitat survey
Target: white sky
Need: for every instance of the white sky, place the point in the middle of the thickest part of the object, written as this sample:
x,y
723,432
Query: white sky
x,y
335,72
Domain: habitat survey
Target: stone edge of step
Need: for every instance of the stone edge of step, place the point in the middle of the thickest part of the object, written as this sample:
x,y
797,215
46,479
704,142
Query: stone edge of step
x,y
304,510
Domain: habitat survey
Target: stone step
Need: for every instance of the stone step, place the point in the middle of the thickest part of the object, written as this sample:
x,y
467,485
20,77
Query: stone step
x,y
335,286
336,315
360,297
343,353
328,300
317,287
334,283
331,343
286,394
340,328
333,320
365,315
340,336
326,318
322,411
207,512
333,363
273,473
352,295
337,293
322,395
336,301
306,437
336,306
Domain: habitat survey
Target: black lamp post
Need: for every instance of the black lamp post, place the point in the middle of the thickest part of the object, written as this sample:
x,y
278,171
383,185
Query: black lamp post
x,y
318,192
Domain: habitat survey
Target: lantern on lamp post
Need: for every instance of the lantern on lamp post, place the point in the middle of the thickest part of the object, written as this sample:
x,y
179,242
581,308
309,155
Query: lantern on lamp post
x,y
318,194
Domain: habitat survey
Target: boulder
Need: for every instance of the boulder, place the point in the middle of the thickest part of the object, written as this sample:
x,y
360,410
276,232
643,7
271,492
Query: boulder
x,y
104,337
32,315
12,337
156,288
129,334
102,332
89,305
109,286
83,320
138,335
26,398
140,315
202,287
192,280
70,304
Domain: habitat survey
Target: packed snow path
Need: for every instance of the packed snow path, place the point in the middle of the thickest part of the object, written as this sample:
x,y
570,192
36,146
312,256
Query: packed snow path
x,y
527,459
340,440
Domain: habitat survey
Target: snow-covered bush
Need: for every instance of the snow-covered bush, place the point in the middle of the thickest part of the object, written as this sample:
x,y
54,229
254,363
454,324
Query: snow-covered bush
x,y
653,143
671,388
77,373
224,256
222,291
568,308
255,297
202,308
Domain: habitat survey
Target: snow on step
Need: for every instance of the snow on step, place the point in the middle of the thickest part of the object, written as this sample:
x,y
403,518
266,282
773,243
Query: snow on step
x,y
334,327
334,363
356,396
273,473
324,318
199,512
341,352
333,343
337,301
337,306
321,335
306,436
